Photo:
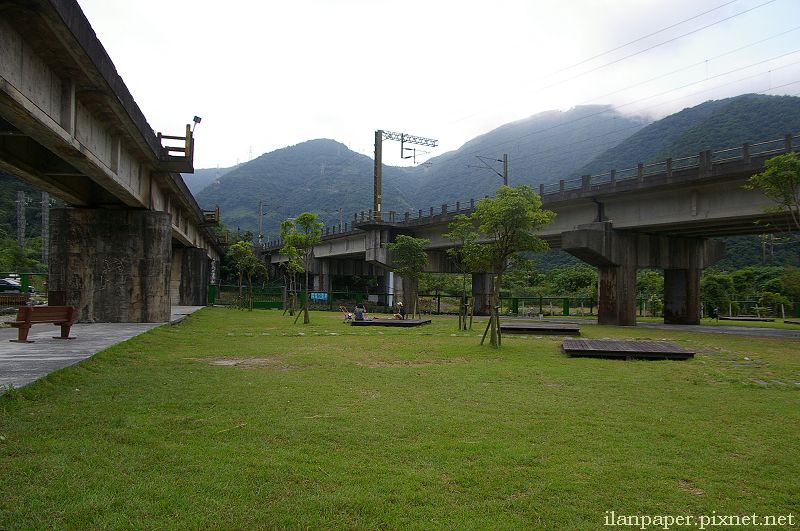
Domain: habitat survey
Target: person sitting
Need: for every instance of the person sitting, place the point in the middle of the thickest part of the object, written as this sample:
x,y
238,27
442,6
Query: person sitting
x,y
401,312
360,313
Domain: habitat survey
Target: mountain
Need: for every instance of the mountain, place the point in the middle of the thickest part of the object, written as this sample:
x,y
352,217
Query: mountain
x,y
541,149
201,178
318,175
323,175
711,125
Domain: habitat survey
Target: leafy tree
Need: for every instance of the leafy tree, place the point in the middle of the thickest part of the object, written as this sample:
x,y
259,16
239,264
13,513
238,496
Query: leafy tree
x,y
579,280
716,289
773,301
790,282
523,278
441,282
503,226
410,258
752,280
780,182
462,232
299,236
242,258
648,283
292,266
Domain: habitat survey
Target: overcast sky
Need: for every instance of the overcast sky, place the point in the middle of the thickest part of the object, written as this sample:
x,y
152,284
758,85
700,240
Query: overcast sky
x,y
265,74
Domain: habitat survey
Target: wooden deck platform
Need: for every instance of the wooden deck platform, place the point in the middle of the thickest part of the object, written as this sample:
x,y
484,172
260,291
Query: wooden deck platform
x,y
743,318
401,323
611,348
540,328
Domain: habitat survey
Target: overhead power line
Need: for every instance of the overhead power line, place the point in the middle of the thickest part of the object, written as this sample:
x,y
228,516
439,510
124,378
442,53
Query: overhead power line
x,y
615,61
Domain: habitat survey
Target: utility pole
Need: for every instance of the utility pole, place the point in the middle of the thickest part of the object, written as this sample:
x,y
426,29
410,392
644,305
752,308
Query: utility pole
x,y
21,219
45,228
376,185
485,161
260,223
403,139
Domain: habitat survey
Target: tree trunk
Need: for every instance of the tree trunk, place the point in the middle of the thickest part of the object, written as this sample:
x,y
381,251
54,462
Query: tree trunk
x,y
494,317
250,292
293,293
306,319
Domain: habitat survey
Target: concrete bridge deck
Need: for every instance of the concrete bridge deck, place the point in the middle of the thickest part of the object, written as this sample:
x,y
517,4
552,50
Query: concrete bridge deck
x,y
134,241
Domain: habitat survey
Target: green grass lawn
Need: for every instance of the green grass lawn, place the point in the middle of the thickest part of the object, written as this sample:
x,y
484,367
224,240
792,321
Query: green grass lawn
x,y
242,419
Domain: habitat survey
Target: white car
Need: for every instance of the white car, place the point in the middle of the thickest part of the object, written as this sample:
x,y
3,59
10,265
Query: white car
x,y
10,284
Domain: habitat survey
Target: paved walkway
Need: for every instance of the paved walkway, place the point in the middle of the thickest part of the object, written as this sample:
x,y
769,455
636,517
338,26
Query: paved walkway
x,y
23,363
724,329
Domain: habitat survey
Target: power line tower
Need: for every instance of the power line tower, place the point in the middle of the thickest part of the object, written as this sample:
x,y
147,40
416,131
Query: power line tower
x,y
261,223
403,139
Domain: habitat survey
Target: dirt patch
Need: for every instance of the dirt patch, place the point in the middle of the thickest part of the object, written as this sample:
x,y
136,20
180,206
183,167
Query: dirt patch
x,y
687,486
411,364
248,363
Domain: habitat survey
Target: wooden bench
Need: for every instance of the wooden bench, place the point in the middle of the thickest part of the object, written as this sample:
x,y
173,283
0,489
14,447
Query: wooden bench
x,y
63,316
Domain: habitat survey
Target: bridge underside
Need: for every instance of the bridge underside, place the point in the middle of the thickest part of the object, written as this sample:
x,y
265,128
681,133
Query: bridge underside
x,y
618,255
135,241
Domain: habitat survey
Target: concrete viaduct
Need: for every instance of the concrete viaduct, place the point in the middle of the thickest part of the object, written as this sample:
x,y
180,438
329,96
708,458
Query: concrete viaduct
x,y
133,241
658,215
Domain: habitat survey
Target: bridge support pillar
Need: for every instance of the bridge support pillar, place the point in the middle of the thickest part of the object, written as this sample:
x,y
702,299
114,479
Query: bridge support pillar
x,y
113,265
322,278
481,293
682,296
193,276
617,295
618,255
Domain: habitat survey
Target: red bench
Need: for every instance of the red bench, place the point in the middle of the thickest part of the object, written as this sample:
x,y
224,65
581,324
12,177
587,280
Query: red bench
x,y
27,316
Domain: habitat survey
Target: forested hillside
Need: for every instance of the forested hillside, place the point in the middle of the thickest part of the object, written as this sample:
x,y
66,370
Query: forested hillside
x,y
710,125
543,148
201,178
319,175
324,176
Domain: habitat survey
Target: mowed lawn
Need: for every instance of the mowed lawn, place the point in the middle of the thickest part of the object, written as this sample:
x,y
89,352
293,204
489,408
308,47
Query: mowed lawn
x,y
243,420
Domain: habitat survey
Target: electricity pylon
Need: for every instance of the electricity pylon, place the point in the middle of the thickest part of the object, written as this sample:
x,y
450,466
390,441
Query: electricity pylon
x,y
404,139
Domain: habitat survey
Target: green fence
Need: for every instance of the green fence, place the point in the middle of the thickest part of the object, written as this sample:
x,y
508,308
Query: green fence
x,y
231,295
751,307
448,303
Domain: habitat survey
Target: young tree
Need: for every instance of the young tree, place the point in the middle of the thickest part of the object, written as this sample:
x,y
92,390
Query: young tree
x,y
292,266
410,258
716,290
462,232
780,182
302,234
246,264
506,224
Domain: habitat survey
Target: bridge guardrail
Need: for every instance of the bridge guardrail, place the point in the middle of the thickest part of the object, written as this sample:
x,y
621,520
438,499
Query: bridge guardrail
x,y
642,171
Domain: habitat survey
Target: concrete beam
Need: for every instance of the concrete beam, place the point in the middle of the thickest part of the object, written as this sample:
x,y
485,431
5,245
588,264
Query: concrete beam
x,y
618,254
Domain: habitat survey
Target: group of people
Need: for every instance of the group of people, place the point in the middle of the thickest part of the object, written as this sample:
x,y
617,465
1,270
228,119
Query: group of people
x,y
360,312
